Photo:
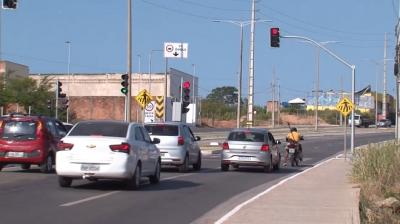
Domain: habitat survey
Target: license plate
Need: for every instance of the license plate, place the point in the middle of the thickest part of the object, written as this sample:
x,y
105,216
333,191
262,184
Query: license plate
x,y
163,154
90,167
245,158
15,154
292,150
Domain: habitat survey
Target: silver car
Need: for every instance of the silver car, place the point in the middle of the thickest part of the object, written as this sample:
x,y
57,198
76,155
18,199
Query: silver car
x,y
251,147
178,146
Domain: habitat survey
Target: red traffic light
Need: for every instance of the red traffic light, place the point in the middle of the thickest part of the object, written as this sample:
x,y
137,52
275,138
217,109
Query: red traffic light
x,y
274,36
186,85
275,31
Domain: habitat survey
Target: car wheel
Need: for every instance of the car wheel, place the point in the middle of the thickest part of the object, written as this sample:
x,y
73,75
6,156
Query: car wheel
x,y
185,166
155,179
197,165
236,166
26,166
269,167
134,182
47,165
2,166
278,164
64,181
225,167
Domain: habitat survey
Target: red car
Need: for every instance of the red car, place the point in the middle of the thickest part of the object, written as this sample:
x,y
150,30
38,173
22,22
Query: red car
x,y
30,140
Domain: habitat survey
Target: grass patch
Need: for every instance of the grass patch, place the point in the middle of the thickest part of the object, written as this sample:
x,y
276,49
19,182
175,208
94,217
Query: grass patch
x,y
377,169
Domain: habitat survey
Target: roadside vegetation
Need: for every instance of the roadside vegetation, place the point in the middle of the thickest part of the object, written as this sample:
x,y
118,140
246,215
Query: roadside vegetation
x,y
376,169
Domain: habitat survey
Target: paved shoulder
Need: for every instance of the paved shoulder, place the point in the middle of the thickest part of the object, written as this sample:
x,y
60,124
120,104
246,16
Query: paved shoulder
x,y
322,194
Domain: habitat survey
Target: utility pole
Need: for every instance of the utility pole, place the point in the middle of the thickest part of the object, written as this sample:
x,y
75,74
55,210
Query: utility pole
x,y
317,90
384,110
279,104
273,98
129,93
250,101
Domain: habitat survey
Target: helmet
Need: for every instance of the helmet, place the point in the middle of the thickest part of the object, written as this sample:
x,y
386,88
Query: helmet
x,y
293,129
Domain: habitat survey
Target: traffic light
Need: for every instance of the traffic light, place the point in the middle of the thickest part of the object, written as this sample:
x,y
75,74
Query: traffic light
x,y
66,104
9,4
49,104
185,97
274,34
124,84
59,90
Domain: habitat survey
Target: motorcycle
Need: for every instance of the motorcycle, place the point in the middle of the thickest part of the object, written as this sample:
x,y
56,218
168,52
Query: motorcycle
x,y
293,153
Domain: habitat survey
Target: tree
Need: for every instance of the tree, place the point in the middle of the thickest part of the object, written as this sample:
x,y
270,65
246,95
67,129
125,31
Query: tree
x,y
27,92
225,94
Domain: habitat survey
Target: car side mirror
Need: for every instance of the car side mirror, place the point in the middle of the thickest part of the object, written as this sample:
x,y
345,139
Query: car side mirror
x,y
155,141
197,138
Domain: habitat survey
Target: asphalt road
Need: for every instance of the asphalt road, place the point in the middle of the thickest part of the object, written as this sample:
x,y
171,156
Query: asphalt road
x,y
198,197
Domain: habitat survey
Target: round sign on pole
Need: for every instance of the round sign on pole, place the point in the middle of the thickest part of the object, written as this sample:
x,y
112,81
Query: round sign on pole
x,y
169,48
150,106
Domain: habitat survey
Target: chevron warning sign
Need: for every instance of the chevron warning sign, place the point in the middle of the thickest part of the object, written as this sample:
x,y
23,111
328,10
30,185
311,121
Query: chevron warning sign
x,y
345,106
159,106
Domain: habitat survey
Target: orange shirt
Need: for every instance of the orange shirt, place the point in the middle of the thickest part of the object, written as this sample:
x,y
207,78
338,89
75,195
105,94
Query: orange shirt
x,y
294,136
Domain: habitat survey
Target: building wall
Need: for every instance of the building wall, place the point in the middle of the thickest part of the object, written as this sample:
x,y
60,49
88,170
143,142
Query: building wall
x,y
12,69
98,96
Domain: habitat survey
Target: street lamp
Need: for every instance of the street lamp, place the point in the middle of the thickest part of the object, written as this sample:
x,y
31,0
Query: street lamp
x,y
69,78
241,24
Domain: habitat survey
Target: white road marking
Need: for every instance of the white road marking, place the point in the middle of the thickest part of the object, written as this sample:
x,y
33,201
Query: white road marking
x,y
89,199
113,192
238,207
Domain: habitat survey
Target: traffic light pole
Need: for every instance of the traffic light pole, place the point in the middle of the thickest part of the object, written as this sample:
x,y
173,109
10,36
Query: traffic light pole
x,y
353,79
56,104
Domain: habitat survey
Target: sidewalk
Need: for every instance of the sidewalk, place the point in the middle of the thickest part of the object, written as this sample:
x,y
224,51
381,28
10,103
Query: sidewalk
x,y
322,194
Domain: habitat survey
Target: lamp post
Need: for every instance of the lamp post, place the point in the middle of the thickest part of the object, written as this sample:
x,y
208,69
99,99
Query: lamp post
x,y
353,79
193,97
69,77
241,24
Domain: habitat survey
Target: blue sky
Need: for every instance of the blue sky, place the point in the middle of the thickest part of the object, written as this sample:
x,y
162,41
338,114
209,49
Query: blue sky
x,y
36,32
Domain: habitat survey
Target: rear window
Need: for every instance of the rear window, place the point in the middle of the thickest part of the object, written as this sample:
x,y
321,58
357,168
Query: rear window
x,y
19,130
163,130
246,136
110,129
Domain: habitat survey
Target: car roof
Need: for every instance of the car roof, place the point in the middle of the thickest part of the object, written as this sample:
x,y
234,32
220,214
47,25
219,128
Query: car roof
x,y
250,129
105,121
24,117
166,123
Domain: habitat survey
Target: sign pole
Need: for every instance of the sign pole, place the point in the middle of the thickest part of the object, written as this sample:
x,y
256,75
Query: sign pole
x,y
345,138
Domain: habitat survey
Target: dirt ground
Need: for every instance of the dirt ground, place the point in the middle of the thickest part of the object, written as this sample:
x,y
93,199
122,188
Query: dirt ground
x,y
284,119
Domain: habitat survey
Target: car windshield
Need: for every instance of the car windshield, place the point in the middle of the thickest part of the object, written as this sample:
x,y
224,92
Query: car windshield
x,y
162,129
110,129
246,136
19,130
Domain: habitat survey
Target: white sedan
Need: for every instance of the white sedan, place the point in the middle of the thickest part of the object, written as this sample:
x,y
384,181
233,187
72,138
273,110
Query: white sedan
x,y
95,150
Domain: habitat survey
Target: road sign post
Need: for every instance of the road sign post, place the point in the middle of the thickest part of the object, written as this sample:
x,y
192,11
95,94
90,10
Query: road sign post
x,y
345,106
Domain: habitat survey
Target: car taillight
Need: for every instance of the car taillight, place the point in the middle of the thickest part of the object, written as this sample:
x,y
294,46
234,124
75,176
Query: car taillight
x,y
64,146
225,146
39,130
265,148
181,140
123,147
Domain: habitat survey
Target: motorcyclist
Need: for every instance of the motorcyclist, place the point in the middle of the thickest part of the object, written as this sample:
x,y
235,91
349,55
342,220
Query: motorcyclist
x,y
293,137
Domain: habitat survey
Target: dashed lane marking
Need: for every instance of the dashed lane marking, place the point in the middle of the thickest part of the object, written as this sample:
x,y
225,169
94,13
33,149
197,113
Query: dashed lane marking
x,y
111,193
